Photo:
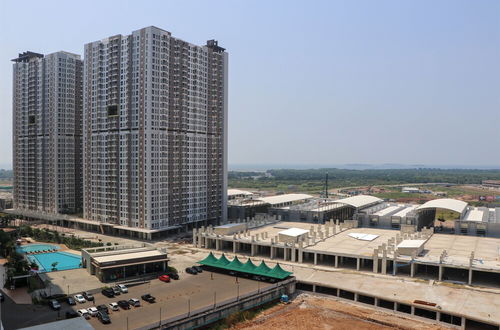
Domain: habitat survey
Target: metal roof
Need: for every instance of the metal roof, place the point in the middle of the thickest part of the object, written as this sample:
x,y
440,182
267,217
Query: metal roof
x,y
359,201
474,215
287,198
402,213
236,192
387,210
445,203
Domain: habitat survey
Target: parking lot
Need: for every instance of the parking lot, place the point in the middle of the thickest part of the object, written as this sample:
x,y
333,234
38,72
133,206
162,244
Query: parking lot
x,y
191,292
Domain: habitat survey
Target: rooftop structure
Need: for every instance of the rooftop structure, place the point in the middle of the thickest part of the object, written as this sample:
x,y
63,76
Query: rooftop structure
x,y
285,200
237,193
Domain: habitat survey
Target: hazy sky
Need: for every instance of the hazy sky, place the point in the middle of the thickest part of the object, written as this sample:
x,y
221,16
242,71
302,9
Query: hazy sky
x,y
319,82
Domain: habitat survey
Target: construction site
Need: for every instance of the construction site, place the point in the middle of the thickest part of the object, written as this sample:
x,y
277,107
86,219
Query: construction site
x,y
417,258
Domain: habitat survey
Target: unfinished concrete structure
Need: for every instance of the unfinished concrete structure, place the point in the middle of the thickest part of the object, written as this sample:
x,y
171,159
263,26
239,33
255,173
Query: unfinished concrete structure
x,y
463,259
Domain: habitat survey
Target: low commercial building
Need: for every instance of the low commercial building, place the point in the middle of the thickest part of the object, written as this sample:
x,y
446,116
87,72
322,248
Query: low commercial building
x,y
480,221
112,263
237,193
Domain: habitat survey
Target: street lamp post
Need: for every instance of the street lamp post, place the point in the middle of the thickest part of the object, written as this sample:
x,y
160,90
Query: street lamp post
x,y
189,306
238,292
160,317
215,298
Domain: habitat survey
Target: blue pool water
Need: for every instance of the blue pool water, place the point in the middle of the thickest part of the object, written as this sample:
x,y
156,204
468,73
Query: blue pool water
x,y
36,248
64,261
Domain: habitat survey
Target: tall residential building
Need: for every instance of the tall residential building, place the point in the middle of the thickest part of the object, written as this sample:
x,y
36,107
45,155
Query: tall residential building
x,y
155,132
47,132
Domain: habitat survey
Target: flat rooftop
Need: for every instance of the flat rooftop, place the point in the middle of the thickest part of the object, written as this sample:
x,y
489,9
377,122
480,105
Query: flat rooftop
x,y
130,256
344,244
458,247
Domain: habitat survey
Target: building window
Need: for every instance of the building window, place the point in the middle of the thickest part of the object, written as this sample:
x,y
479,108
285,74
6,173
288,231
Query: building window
x,y
112,110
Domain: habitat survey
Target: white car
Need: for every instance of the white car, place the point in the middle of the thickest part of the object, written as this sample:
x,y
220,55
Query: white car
x,y
113,306
92,311
123,288
84,313
134,302
79,298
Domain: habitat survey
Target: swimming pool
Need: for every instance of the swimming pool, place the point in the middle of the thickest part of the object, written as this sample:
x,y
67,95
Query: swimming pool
x,y
65,261
36,248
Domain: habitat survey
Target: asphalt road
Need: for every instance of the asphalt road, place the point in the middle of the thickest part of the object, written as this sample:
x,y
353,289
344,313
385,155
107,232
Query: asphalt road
x,y
175,298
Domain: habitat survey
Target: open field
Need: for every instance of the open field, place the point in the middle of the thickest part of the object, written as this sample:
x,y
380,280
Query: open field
x,y
312,312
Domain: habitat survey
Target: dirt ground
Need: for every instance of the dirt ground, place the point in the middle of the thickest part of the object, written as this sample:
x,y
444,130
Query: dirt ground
x,y
308,312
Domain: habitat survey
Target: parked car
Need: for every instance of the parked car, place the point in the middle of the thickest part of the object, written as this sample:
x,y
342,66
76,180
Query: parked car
x,y
134,302
191,270
55,305
70,301
124,304
103,317
87,295
164,278
114,306
84,313
149,298
92,311
103,308
108,292
71,314
173,276
116,290
198,269
79,298
123,288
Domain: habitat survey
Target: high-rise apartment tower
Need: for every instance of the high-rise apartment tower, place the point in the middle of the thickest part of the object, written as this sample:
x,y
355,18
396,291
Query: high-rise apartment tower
x,y
155,131
47,132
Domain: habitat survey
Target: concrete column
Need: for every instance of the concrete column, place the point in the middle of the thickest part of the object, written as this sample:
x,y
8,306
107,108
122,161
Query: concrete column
x,y
273,251
438,316
235,247
396,305
470,276
315,258
336,261
294,253
441,270
314,287
217,244
286,253
375,301
412,269
462,325
384,262
412,310
253,249
194,236
357,263
394,266
301,255
356,296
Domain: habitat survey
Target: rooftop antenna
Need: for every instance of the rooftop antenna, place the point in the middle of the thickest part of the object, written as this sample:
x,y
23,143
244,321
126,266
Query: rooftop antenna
x,y
326,185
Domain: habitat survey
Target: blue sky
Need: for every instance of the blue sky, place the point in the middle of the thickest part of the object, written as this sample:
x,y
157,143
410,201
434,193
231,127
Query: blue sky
x,y
312,82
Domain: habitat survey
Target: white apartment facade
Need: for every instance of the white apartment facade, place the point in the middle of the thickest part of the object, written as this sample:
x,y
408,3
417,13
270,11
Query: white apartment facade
x,y
155,132
47,115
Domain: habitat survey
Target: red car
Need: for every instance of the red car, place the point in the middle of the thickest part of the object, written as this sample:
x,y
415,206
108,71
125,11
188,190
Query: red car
x,y
164,278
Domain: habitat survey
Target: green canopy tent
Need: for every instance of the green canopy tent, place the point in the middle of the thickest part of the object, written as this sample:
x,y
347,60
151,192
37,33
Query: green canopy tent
x,y
235,265
279,272
210,260
248,267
